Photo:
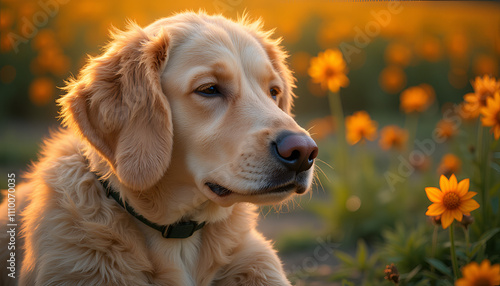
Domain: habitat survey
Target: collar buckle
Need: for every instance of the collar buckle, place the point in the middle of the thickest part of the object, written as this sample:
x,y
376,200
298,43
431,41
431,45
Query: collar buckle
x,y
181,229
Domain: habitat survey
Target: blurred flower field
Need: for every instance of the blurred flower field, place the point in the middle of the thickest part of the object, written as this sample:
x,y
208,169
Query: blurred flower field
x,y
403,99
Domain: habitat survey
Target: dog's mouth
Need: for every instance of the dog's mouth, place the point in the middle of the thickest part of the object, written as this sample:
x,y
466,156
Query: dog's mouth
x,y
221,191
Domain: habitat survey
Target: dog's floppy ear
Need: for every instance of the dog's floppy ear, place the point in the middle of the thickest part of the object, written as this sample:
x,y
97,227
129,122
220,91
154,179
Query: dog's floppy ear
x,y
117,104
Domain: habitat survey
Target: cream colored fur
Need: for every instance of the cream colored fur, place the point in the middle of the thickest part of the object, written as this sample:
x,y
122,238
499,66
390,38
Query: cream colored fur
x,y
133,117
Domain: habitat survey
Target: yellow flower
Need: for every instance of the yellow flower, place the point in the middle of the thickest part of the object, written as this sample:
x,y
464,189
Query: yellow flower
x,y
485,64
329,69
51,59
392,79
41,91
398,53
491,114
480,275
44,39
359,126
446,129
483,88
457,45
392,136
464,113
452,201
6,19
417,98
429,48
450,164
5,43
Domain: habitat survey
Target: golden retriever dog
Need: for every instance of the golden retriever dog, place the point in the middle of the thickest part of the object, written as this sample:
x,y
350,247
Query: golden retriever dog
x,y
171,138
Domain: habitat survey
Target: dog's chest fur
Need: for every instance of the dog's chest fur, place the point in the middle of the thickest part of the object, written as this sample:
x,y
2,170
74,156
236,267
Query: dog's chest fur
x,y
173,255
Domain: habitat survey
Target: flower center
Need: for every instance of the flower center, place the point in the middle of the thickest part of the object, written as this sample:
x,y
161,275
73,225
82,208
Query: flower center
x,y
483,96
395,141
451,200
482,282
330,72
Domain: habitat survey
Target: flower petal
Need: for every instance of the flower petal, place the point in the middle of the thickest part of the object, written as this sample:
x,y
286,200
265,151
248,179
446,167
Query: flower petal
x,y
470,97
452,183
468,206
435,209
496,278
496,268
463,187
434,194
443,184
470,269
457,214
496,132
488,121
333,86
353,138
468,196
485,264
446,219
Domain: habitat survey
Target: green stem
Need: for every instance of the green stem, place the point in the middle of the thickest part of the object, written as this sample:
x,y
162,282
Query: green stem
x,y
411,124
452,251
486,173
434,245
482,162
467,242
336,109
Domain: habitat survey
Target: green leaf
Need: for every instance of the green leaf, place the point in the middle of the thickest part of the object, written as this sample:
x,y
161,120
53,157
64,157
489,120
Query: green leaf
x,y
493,145
412,273
345,258
347,283
494,189
439,266
373,260
424,282
431,275
362,253
444,283
483,239
342,274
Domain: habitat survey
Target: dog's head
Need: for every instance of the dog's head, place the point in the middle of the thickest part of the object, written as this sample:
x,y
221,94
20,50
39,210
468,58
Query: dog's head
x,y
196,100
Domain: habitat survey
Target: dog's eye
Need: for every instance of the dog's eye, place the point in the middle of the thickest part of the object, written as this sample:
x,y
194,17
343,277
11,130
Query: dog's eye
x,y
208,90
274,91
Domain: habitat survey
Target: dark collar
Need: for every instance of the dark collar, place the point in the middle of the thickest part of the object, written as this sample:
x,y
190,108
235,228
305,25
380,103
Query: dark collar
x,y
176,230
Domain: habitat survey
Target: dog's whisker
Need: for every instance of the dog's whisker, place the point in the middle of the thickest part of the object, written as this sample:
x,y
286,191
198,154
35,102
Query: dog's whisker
x,y
323,162
318,168
217,169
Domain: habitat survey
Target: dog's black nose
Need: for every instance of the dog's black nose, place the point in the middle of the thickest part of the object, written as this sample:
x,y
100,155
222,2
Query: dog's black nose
x,y
295,150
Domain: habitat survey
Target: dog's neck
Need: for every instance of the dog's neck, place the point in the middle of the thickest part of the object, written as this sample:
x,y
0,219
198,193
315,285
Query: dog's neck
x,y
166,202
